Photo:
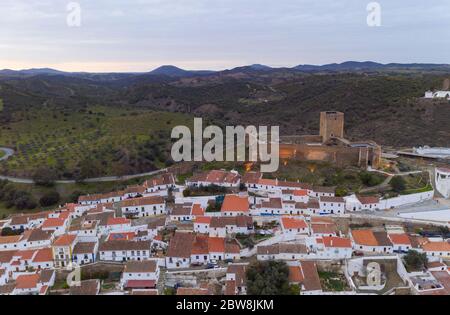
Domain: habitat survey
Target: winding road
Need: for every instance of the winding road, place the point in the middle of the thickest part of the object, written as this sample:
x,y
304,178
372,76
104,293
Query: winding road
x,y
9,152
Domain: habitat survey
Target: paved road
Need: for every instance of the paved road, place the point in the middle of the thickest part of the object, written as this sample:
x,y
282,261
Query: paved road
x,y
88,180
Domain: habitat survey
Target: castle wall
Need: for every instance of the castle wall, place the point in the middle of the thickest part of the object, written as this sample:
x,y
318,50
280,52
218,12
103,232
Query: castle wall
x,y
341,156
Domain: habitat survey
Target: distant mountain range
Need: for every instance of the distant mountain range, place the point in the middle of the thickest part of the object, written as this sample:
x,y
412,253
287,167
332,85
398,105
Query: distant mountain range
x,y
173,71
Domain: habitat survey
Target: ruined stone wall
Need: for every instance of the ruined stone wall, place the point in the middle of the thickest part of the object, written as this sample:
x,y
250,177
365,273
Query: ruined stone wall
x,y
341,156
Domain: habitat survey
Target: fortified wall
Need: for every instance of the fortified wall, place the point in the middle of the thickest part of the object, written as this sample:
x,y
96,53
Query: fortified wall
x,y
331,146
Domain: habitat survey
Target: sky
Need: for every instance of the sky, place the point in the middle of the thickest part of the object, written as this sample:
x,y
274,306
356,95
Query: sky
x,y
140,35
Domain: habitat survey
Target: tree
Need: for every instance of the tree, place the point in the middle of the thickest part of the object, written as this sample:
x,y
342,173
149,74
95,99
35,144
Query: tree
x,y
398,184
370,179
268,278
415,260
49,199
44,176
186,192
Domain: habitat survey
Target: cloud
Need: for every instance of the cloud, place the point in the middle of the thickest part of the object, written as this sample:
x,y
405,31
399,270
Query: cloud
x,y
218,33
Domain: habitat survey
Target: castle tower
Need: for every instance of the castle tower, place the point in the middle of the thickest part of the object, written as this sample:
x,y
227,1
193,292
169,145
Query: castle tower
x,y
331,125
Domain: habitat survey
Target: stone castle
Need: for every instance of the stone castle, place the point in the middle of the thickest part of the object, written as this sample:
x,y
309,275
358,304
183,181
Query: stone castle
x,y
331,146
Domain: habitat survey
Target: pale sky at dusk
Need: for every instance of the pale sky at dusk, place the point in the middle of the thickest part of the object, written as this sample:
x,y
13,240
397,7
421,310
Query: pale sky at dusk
x,y
139,35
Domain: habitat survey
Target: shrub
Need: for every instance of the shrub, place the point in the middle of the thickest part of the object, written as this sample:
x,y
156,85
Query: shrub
x,y
49,199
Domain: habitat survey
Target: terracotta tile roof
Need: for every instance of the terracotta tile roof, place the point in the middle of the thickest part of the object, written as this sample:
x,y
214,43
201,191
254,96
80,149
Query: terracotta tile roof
x,y
239,271
367,200
180,245
163,179
43,255
313,204
27,281
382,239
182,209
137,202
319,228
273,203
296,274
84,248
332,199
235,203
10,239
118,221
436,247
268,182
38,235
239,221
216,176
141,266
300,192
216,245
53,223
444,169
200,245
197,210
293,223
339,242
6,256
26,254
19,220
45,276
278,248
400,239
364,237
232,247
65,240
203,220
311,280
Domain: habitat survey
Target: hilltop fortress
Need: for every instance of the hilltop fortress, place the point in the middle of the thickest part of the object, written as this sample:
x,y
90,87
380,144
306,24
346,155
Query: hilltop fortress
x,y
330,145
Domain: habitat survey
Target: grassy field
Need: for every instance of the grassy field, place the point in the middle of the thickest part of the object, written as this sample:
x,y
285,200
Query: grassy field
x,y
100,140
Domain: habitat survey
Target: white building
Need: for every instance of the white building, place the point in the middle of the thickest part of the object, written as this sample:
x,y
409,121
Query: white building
x,y
332,205
144,207
437,94
140,275
125,250
442,179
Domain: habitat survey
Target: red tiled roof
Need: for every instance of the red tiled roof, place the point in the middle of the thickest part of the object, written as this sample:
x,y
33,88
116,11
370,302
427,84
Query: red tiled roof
x,y
53,222
43,255
216,245
293,223
364,237
367,200
402,239
300,192
65,240
197,210
340,242
295,274
203,220
117,221
27,281
235,203
436,247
